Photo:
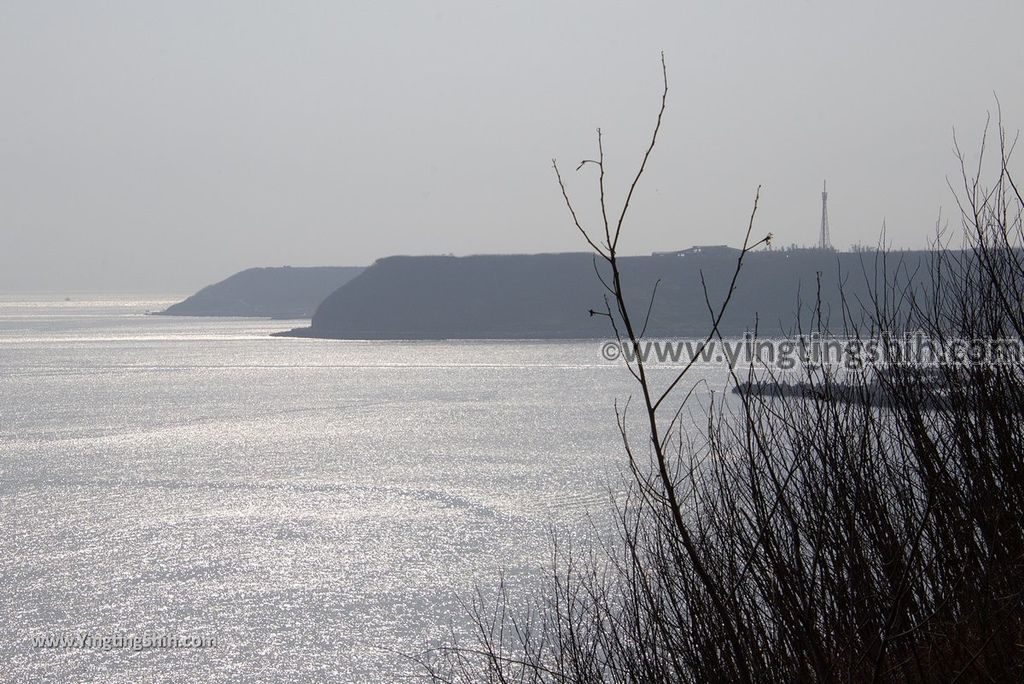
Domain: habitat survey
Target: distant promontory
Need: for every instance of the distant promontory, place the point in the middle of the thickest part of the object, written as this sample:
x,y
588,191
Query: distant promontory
x,y
551,296
274,292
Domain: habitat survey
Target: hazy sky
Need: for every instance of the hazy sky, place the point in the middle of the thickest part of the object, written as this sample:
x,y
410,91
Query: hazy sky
x,y
160,146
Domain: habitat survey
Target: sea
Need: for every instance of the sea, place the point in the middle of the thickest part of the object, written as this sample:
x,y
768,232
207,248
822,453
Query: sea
x,y
194,500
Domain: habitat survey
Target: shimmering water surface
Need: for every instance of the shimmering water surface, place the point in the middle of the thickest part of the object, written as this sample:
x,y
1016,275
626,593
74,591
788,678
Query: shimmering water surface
x,y
316,506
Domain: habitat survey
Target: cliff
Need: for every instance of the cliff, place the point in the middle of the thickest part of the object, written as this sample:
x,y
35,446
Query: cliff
x,y
276,292
549,296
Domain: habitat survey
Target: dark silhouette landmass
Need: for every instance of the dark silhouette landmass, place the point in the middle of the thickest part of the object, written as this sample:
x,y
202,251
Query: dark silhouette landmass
x,y
550,296
274,292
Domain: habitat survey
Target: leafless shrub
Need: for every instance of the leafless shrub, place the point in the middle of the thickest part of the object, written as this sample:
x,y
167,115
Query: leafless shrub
x,y
869,529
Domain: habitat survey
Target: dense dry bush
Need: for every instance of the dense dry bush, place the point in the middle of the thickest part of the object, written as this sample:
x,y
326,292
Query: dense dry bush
x,y
865,526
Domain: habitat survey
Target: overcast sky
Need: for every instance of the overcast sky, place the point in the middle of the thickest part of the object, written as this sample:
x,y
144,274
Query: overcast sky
x,y
157,147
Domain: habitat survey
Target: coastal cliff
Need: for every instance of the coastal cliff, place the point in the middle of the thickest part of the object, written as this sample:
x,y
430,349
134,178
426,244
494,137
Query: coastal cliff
x,y
550,296
274,292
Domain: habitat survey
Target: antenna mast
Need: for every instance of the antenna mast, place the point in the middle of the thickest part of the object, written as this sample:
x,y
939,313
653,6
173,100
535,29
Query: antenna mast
x,y
825,240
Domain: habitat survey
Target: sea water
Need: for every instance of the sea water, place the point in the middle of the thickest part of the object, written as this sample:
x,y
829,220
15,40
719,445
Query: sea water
x,y
318,509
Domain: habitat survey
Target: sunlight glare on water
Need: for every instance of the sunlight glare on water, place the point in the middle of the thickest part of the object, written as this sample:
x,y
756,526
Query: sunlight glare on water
x,y
315,506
